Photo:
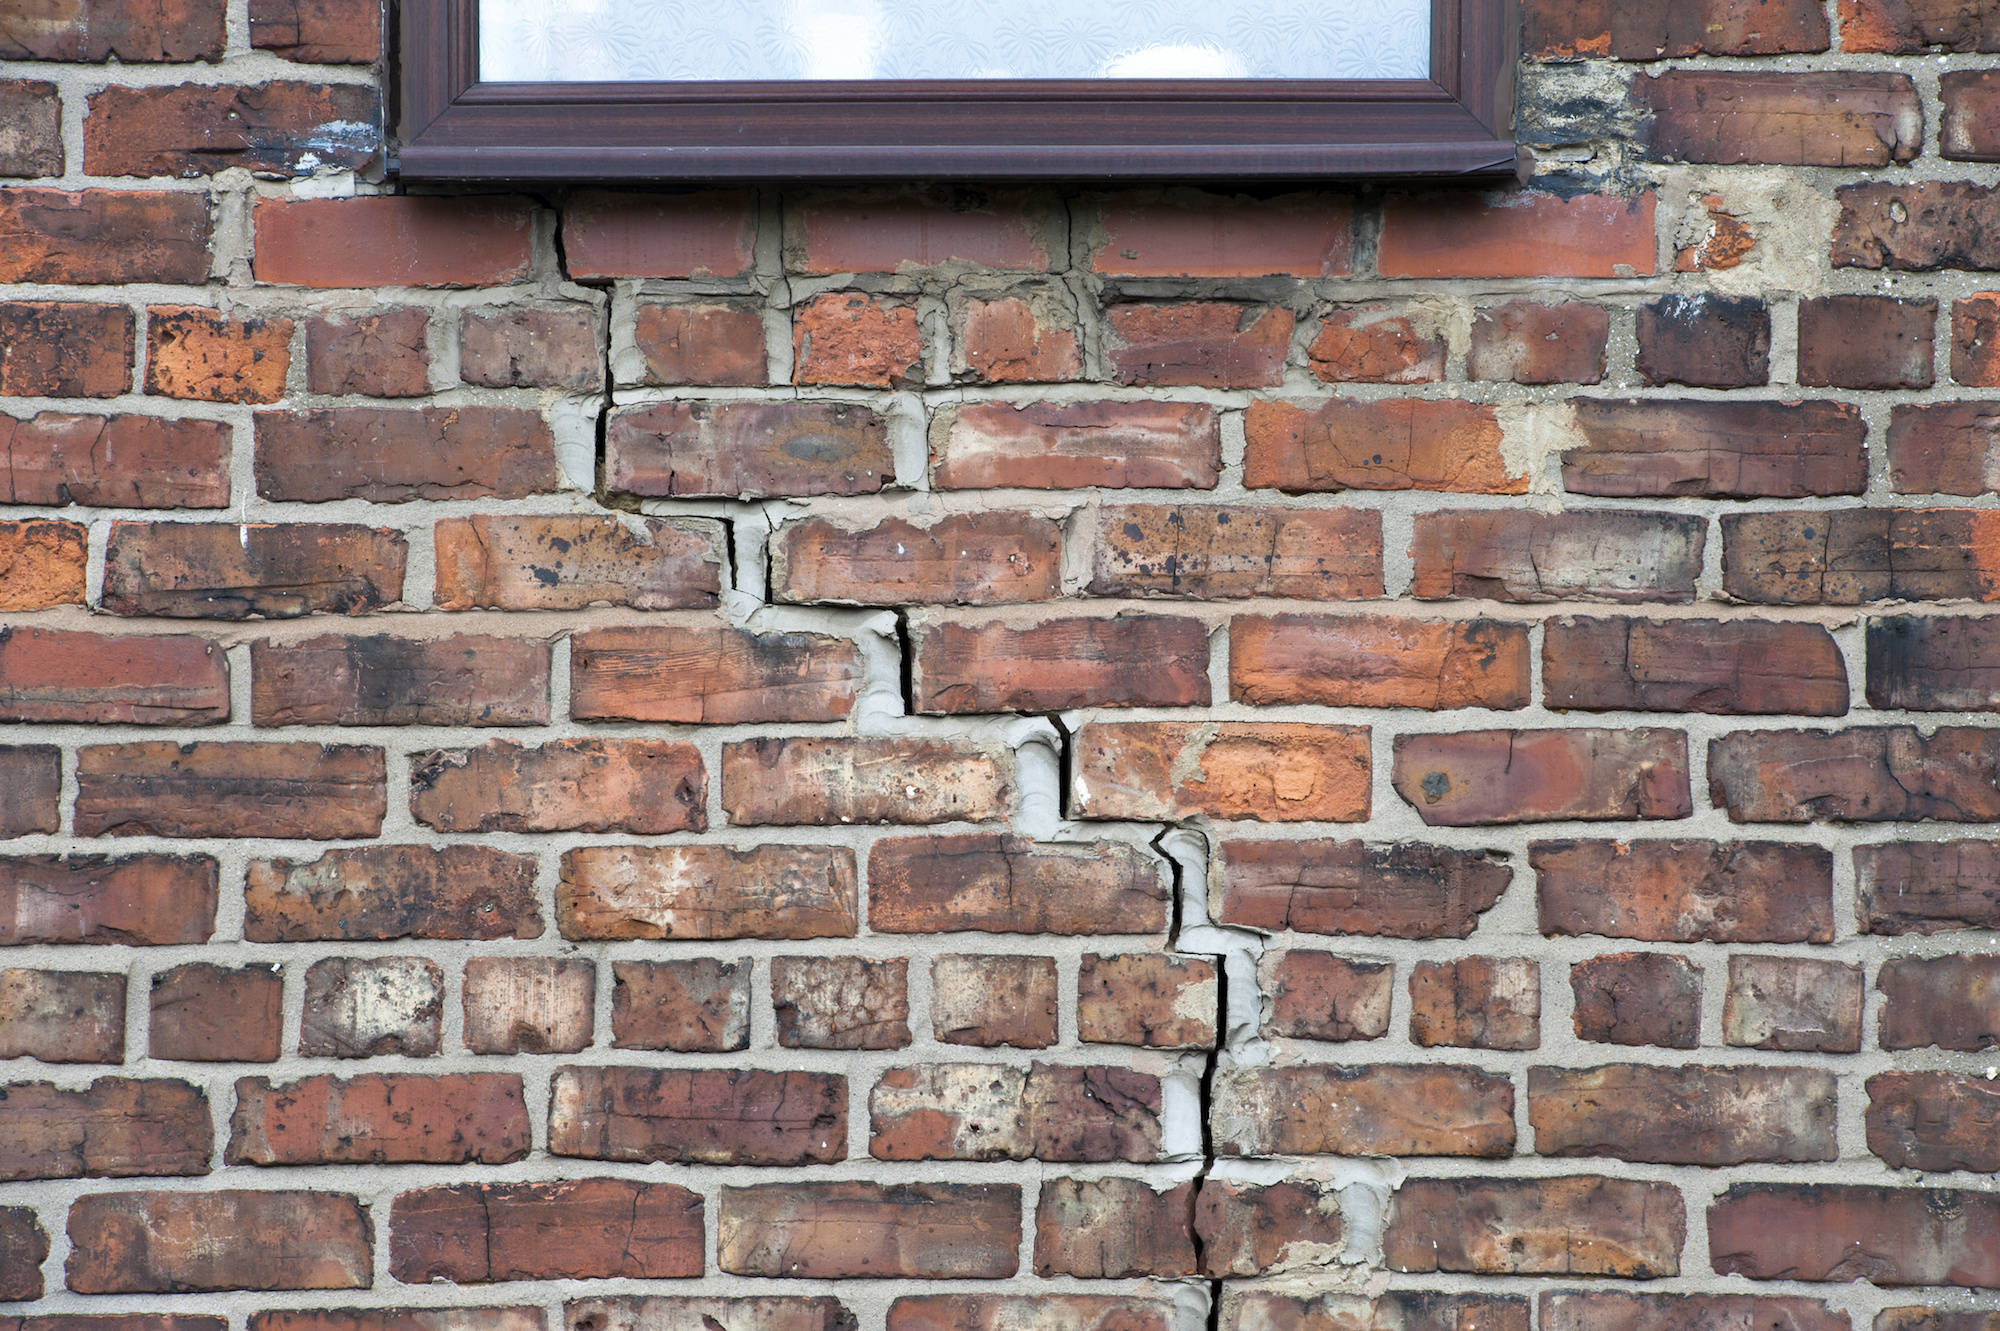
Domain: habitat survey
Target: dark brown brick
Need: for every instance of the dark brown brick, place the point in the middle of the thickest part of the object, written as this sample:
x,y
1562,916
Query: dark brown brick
x,y
1850,556
49,349
529,1005
960,559
1374,344
1907,27
747,448
706,234
30,789
382,1119
306,792
1685,891
700,1005
377,354
1384,444
973,1111
1826,118
62,1016
190,570
1215,552
991,1001
199,129
1147,999
1582,1226
118,1128
1866,342
1864,775
175,32
369,1007
1069,446
1686,1115
1212,344
1927,887
165,1242
1248,1308
1731,450
318,32
1114,1229
1952,1002
103,236
141,901
698,1116
1970,128
1888,1236
1637,998
202,1013
1704,341
712,343
1975,361
1583,555
1320,996
841,1002
1006,884
1378,661
1635,30
115,461
390,455
1132,661
1350,887
1918,226
378,680
1250,1229
715,676
1618,1310
529,348
1945,447
1477,1003
1524,342
1934,1121
1793,1004
24,1246
610,892
836,233
383,892
835,782
1924,663
1737,667
833,1231
588,1229
646,787
1485,777
1381,1109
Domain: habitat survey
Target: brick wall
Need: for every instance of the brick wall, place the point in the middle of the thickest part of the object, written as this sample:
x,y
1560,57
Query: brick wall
x,y
1003,760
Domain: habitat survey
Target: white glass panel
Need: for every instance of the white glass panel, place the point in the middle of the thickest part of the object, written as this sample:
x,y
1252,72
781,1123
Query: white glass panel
x,y
673,40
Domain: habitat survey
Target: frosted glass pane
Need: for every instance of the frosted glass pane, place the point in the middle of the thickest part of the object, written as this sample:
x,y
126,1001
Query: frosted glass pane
x,y
672,40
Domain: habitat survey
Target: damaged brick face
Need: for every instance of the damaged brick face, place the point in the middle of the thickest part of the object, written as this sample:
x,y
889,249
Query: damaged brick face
x,y
1014,756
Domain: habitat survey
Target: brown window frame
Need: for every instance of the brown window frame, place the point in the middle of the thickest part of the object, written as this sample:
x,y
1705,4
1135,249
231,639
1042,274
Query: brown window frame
x,y
1458,122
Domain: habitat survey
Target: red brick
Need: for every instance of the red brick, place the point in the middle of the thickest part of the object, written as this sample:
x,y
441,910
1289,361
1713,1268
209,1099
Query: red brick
x,y
1388,444
115,461
30,789
1952,1002
186,570
1724,667
1320,996
1637,998
1975,360
318,32
1211,344
703,1116
120,1322
1217,552
712,343
760,1313
1580,1226
1574,1310
990,1001
1887,1236
1274,772
103,236
1350,887
1584,555
62,350
1016,341
1114,1229
165,1242
849,235
973,1111
1181,236
1924,663
1907,27
1717,449
1970,128
24,1246
53,675
388,455
1378,661
1866,342
1927,887
1005,884
118,1128
222,789
1934,1121
1485,777
1525,234
62,1016
358,1007
1827,118
198,353
529,348
1705,341
204,1014
1146,999
1684,1116
1250,1229
142,901
1524,342
833,782
1793,1004
700,1005
1685,891
718,676
397,241
41,564
647,787
1381,1109
658,235
1635,30
566,563
379,680
588,1229
400,1319
832,1231
95,30
1051,446
529,1005
747,448
1850,556
1369,344
1917,226
849,337
1247,1308
612,892
1864,775
200,129
1477,1003
381,1119
383,892
841,1002
958,559
1945,447
385,354
1134,661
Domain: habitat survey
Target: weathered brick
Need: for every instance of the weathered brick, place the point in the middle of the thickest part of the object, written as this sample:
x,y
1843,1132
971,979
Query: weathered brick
x,y
1704,341
141,901
392,241
1373,344
710,234
659,1313
383,892
30,789
1935,1319
378,354
399,1319
1380,1109
1917,226
1016,341
1734,667
52,349
1866,342
1582,555
698,1116
973,1111
1741,450
530,348
833,1231
1637,998
1939,663
841,233
959,559
1007,884
96,30
42,564
117,1128
1854,555
318,32
1907,27
1685,891
1524,234
199,570
643,786
1188,235
1069,446
991,1001
115,461
849,337
841,1002
1715,239
532,562
1275,772
1825,118
1484,777
1350,887
388,1118
747,448
102,236
720,676
1384,444
1635,30
1927,887
1378,661
1793,1003
1211,344
529,1005
1250,1229
196,352
1574,1310
700,1005
712,343
587,1229
197,129
1477,1003
1524,342
834,782
1864,775
1934,1121
1320,996
610,892
1686,1115
1975,361
1114,1229
1945,447
1578,1226
1159,1002
30,131
24,1246
202,1013
1132,661
1952,1002
307,792
1969,130
366,1007
379,680
1246,1307
1834,1232
165,1242
390,455
121,1322
1215,552
62,1016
